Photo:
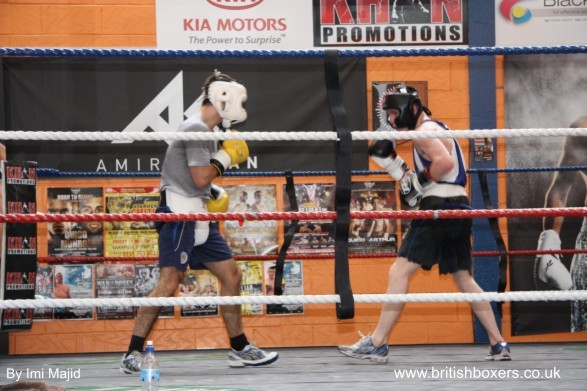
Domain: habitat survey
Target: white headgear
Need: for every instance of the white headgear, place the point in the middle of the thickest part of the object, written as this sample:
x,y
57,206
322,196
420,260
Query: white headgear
x,y
228,98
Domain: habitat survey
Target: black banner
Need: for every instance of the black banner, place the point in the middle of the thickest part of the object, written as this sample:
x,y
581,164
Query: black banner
x,y
19,255
131,94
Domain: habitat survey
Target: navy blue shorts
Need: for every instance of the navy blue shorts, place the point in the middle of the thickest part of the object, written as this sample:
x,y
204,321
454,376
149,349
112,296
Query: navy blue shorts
x,y
443,241
176,245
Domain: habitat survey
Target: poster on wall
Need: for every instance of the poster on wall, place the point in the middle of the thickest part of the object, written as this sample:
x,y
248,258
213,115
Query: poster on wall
x,y
292,284
131,238
198,283
483,149
540,22
371,236
390,23
312,237
44,291
114,281
146,278
75,238
531,98
73,282
251,237
251,285
18,266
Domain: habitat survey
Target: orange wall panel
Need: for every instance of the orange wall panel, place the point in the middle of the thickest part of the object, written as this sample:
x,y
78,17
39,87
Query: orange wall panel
x,y
20,19
71,20
121,20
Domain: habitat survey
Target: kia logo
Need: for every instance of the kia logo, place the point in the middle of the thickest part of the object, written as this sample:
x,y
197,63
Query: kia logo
x,y
235,4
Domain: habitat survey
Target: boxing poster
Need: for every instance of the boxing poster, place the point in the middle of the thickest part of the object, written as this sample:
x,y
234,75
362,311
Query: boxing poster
x,y
75,238
73,282
483,149
114,281
292,284
198,283
18,267
251,237
44,291
251,285
373,236
131,238
146,278
545,92
316,236
156,95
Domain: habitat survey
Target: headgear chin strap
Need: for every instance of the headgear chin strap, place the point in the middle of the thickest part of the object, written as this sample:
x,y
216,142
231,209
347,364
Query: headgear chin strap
x,y
403,99
228,98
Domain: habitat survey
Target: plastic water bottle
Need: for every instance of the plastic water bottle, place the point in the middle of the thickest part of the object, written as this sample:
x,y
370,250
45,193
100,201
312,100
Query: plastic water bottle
x,y
150,369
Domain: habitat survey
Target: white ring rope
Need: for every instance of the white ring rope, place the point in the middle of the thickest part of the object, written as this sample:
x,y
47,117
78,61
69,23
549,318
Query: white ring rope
x,y
302,299
285,136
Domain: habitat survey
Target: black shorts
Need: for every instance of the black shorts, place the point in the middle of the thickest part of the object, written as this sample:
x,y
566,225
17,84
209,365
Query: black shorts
x,y
443,241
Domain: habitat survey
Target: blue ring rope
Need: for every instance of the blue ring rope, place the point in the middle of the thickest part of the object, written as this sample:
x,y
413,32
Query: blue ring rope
x,y
153,53
50,172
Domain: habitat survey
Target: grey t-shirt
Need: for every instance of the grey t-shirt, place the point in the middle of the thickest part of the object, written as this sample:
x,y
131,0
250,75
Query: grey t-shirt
x,y
181,155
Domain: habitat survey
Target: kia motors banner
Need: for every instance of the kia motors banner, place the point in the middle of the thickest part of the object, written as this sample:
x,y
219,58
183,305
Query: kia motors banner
x,y
19,256
540,22
156,95
309,24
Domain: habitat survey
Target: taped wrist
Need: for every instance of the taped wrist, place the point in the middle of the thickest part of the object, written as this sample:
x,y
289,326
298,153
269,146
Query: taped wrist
x,y
397,168
221,160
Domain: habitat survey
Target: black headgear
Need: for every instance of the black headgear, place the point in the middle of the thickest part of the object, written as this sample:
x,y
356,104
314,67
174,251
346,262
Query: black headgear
x,y
402,99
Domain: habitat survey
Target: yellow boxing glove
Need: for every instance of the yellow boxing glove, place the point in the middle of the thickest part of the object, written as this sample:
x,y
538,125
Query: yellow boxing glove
x,y
218,202
231,152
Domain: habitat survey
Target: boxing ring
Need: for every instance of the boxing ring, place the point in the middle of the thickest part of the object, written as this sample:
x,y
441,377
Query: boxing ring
x,y
534,366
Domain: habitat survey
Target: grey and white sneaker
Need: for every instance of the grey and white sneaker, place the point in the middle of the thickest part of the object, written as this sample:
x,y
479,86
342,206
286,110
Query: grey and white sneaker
x,y
250,356
365,349
131,364
355,345
499,352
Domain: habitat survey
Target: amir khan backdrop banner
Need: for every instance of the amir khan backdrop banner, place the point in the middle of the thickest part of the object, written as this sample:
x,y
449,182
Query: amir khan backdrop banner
x,y
156,95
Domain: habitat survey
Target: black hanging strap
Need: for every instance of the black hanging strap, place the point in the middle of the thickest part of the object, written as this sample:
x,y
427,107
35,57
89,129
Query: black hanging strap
x,y
346,308
289,235
494,224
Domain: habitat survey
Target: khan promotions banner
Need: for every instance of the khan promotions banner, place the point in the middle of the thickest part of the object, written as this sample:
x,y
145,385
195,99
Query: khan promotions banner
x,y
19,256
308,24
139,95
390,23
540,22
